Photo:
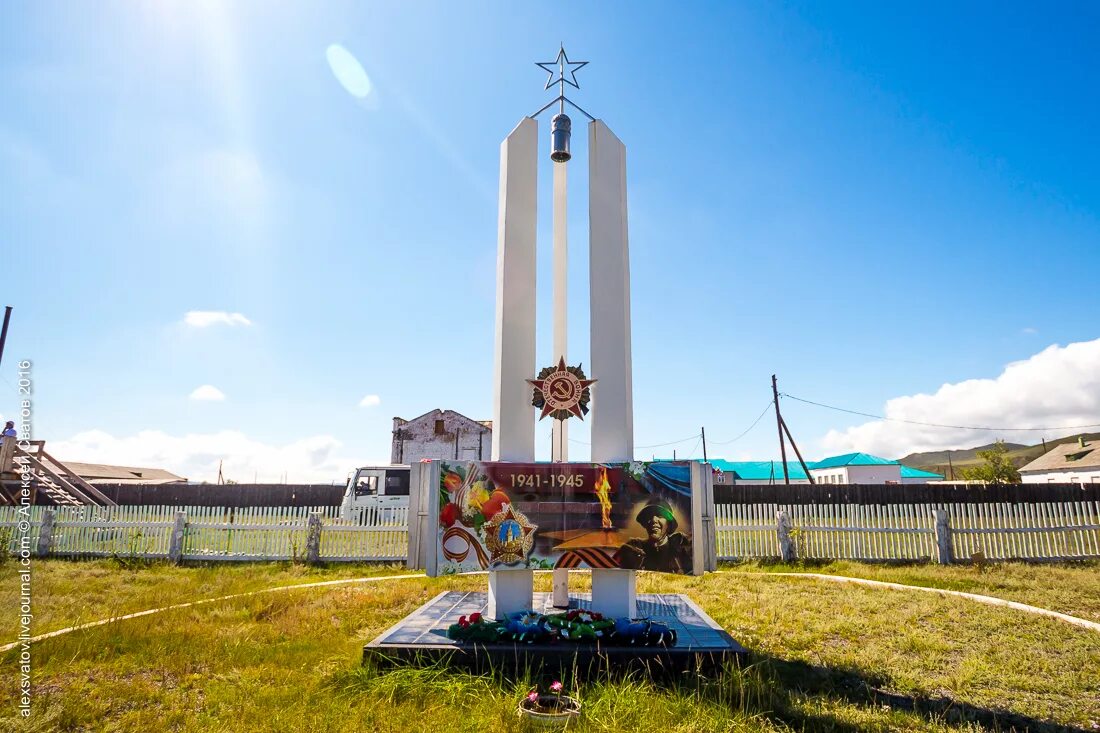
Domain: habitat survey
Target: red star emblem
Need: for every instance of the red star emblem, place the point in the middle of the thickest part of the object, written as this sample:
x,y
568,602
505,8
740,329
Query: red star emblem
x,y
562,389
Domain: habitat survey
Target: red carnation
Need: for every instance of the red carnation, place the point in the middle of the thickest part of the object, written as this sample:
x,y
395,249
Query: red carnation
x,y
448,515
475,617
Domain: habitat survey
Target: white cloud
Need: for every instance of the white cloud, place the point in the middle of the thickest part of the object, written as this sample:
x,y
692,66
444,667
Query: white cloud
x,y
203,319
207,393
371,400
1028,330
312,459
1059,386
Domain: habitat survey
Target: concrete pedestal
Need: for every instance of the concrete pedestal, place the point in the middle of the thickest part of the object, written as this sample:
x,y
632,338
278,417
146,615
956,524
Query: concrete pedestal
x,y
561,588
510,591
613,593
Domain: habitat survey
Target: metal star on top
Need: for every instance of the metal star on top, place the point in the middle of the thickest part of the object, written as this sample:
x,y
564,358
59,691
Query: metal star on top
x,y
567,70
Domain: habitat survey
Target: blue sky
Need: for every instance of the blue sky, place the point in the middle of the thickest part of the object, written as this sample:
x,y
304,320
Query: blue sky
x,y
870,201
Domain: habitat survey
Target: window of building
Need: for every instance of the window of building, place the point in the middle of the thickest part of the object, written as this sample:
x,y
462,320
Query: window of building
x,y
440,428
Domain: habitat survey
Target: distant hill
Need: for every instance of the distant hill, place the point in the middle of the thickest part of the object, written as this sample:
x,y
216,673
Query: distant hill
x,y
1019,454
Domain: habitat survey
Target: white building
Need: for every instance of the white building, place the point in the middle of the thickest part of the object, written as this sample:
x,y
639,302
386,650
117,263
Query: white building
x,y
440,434
917,476
1072,463
856,468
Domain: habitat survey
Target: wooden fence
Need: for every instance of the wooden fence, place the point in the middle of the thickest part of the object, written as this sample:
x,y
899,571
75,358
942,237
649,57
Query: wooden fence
x,y
312,534
867,532
880,532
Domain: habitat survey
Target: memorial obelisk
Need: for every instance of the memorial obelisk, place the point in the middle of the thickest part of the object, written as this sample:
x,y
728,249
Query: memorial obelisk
x,y
609,294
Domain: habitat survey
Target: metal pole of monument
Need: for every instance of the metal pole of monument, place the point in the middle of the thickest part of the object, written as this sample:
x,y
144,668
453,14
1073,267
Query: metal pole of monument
x,y
560,131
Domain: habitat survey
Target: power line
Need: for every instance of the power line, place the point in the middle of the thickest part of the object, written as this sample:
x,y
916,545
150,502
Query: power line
x,y
691,456
673,442
933,424
655,445
748,429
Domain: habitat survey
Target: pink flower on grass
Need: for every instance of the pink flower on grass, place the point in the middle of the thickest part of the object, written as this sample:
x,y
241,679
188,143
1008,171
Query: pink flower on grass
x,y
555,686
533,696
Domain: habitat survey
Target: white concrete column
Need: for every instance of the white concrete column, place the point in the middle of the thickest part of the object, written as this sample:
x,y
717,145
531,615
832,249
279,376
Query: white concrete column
x,y
560,428
609,284
613,593
510,591
513,415
561,587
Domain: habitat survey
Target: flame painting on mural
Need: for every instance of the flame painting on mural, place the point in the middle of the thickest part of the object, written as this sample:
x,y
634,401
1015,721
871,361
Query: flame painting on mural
x,y
521,516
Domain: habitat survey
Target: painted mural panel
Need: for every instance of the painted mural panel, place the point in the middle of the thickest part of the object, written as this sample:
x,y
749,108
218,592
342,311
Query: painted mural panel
x,y
519,516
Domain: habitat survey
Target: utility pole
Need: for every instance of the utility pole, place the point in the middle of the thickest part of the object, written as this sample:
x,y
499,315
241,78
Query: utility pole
x,y
704,432
457,430
796,452
950,466
779,426
4,331
480,435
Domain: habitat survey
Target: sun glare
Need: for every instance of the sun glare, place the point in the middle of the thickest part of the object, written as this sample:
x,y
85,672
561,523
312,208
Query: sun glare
x,y
348,71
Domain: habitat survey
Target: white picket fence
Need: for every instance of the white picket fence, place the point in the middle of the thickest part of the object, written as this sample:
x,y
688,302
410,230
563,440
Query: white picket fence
x,y
1038,531
211,533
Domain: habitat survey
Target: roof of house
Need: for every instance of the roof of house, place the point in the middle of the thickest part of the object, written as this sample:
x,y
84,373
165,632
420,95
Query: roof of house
x,y
909,472
767,470
103,473
852,459
1067,457
759,470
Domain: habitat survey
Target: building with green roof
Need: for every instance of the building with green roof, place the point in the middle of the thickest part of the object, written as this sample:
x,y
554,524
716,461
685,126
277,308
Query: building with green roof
x,y
850,468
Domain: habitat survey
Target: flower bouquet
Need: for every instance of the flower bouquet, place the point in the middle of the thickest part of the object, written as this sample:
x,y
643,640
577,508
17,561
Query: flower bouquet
x,y
475,628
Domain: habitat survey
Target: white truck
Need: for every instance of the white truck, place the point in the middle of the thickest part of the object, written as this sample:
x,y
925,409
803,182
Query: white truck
x,y
386,487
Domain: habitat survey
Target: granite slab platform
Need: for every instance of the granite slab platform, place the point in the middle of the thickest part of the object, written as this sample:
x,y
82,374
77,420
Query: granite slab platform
x,y
421,638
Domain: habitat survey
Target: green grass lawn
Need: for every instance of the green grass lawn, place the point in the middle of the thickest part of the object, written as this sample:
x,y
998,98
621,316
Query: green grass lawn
x,y
825,656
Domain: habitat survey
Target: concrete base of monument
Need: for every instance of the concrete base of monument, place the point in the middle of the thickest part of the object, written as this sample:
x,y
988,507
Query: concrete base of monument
x,y
421,639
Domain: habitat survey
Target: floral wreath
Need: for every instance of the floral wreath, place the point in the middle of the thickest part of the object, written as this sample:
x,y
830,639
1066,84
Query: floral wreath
x,y
577,625
474,628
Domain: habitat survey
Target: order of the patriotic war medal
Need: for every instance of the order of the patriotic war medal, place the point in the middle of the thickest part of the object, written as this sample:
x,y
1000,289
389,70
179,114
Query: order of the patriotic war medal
x,y
562,392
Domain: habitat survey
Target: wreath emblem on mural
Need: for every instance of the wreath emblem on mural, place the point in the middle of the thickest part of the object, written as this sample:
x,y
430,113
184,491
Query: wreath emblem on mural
x,y
509,536
562,392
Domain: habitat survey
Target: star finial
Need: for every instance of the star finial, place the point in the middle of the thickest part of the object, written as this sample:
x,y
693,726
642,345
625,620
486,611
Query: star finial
x,y
566,70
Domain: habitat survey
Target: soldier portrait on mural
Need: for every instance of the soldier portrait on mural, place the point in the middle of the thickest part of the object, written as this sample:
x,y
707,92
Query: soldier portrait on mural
x,y
664,549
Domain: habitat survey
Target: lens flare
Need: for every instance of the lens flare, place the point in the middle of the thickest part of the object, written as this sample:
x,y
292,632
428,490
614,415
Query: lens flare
x,y
348,71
